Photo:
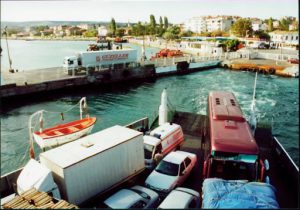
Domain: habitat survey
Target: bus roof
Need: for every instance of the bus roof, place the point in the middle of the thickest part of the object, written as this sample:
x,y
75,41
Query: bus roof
x,y
229,131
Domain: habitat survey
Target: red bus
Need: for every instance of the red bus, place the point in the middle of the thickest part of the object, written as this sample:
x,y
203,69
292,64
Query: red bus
x,y
231,150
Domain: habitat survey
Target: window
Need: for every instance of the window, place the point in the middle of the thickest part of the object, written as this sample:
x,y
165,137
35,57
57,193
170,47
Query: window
x,y
296,37
292,37
167,168
182,168
286,37
187,162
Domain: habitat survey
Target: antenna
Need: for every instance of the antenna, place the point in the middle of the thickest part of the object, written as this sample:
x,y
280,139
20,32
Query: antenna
x,y
253,120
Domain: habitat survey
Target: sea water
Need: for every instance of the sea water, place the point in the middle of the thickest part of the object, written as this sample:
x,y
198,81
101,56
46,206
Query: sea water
x,y
277,100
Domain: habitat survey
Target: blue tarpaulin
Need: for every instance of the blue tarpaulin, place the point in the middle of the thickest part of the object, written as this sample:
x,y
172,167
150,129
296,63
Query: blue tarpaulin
x,y
220,193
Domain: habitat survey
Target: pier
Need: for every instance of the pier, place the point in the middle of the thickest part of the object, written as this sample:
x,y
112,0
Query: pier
x,y
31,82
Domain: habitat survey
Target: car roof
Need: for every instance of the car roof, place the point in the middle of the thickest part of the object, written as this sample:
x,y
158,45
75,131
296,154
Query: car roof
x,y
178,156
176,199
122,199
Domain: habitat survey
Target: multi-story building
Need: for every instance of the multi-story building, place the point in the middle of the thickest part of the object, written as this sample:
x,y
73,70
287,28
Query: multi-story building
x,y
209,23
86,26
287,39
258,25
195,24
219,23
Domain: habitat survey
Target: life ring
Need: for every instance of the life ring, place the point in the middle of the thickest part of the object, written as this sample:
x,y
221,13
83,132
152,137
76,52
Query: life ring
x,y
272,71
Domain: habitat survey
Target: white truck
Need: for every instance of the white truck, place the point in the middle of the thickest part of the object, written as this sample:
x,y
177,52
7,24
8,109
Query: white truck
x,y
93,164
90,60
162,140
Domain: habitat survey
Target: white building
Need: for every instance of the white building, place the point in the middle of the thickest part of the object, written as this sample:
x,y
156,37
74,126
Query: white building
x,y
259,25
219,23
102,31
208,24
195,24
85,26
286,39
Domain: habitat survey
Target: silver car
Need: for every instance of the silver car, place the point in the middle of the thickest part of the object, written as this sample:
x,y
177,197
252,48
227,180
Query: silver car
x,y
181,198
171,172
135,197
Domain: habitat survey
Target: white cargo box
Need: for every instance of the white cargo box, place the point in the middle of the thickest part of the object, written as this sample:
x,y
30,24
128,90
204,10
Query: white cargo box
x,y
106,57
95,163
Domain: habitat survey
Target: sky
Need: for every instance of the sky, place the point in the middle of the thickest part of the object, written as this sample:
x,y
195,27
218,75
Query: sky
x,y
177,11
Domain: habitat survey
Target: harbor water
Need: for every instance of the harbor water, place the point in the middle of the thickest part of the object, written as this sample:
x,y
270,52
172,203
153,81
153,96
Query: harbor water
x,y
277,99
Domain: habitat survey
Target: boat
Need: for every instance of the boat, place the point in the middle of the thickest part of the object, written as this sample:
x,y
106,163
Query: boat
x,y
120,40
282,172
61,133
167,53
64,133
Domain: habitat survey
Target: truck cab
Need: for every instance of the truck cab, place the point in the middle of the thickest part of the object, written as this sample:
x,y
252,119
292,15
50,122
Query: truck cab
x,y
162,140
70,62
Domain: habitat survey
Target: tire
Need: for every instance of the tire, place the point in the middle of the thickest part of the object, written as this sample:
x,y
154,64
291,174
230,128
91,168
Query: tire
x,y
272,71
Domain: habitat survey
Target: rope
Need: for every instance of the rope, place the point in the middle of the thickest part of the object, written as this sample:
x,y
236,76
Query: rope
x,y
65,110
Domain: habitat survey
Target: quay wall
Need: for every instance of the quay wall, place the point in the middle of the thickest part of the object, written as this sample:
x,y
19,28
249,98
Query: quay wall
x,y
102,77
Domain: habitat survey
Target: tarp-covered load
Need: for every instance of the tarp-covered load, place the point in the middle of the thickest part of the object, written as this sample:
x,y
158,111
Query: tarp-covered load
x,y
219,193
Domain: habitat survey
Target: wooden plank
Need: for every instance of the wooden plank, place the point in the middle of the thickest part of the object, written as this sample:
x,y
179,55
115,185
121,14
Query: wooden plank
x,y
47,205
43,201
20,205
13,201
25,193
38,195
29,196
41,197
59,202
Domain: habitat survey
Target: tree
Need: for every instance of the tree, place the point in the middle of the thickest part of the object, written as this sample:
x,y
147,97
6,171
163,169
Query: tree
x,y
185,33
120,32
113,26
169,36
161,24
270,24
242,27
166,23
152,24
90,33
262,35
231,45
284,24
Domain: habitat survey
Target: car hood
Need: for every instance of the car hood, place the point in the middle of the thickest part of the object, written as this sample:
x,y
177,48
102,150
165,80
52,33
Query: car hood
x,y
160,181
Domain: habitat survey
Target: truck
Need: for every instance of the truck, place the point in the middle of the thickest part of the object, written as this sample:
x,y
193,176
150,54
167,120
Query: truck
x,y
91,60
162,140
91,165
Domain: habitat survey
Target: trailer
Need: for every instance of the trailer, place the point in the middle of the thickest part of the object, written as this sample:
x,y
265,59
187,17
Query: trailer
x,y
96,163
90,60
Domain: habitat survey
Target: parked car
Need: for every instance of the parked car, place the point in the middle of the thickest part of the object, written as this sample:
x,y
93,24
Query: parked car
x,y
172,171
135,197
293,60
263,46
181,198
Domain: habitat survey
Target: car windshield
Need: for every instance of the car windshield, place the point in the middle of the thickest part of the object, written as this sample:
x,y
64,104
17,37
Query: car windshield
x,y
168,168
148,149
141,193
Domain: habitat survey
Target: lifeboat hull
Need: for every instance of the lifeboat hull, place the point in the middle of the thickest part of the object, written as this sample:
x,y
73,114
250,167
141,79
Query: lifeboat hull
x,y
63,133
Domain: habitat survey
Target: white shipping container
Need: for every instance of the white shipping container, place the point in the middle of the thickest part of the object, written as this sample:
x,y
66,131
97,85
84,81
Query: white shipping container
x,y
95,163
106,57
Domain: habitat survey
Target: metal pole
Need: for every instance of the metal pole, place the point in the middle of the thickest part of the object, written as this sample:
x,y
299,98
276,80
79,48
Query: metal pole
x,y
9,60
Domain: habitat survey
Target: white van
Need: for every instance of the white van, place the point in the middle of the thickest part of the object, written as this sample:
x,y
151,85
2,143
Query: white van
x,y
163,140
